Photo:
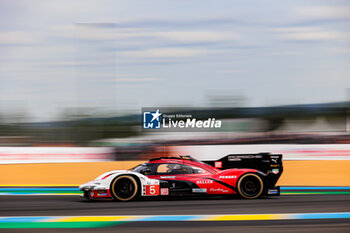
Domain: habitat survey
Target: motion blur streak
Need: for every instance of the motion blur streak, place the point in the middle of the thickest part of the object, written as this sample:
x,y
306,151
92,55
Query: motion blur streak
x,y
287,213
100,221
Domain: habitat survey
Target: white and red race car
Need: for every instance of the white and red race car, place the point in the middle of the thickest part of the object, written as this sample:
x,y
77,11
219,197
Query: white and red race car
x,y
247,175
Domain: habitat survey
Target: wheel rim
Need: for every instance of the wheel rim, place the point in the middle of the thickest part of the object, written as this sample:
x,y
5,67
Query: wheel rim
x,y
124,188
250,186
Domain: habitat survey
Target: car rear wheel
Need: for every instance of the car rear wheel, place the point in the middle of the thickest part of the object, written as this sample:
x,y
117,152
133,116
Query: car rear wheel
x,y
124,188
250,186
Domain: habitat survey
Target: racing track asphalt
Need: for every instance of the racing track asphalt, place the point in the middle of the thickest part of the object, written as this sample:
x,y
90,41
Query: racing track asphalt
x,y
73,205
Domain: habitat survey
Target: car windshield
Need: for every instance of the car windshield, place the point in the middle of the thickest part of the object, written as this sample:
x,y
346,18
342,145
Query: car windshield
x,y
140,167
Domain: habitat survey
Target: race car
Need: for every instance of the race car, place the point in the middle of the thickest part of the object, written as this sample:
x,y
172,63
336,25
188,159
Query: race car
x,y
245,175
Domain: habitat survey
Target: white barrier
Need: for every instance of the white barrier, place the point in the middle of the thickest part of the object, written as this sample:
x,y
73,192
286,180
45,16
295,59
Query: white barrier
x,y
289,151
13,155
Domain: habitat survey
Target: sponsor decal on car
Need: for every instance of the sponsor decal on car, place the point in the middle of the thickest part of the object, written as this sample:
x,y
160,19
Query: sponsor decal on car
x,y
102,194
240,157
196,190
218,164
164,191
204,182
273,191
275,171
274,160
219,190
227,177
167,177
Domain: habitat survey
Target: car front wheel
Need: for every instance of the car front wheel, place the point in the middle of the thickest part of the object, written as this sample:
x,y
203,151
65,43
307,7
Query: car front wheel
x,y
124,188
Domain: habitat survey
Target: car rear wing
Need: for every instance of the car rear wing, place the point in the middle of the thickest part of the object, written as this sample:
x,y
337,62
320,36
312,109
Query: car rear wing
x,y
267,163
264,162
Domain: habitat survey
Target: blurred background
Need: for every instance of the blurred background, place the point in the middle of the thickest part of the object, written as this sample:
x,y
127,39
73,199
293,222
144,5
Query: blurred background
x,y
94,64
75,75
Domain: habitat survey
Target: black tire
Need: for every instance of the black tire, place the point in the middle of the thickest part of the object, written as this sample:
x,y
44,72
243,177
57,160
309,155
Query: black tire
x,y
250,186
124,188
